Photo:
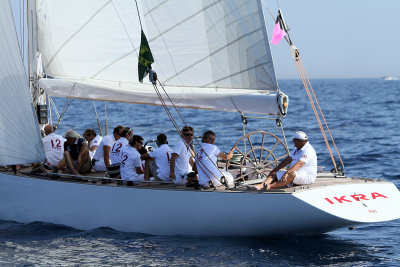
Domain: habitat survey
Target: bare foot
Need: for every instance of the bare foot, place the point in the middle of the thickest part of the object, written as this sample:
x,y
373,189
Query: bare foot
x,y
256,186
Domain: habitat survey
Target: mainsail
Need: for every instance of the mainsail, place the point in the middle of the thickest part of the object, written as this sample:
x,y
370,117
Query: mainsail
x,y
210,54
20,140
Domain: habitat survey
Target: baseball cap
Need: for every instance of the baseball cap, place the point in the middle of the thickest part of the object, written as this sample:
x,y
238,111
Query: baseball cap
x,y
300,135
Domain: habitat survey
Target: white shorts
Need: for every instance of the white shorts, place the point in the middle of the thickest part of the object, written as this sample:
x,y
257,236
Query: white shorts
x,y
139,178
99,166
303,178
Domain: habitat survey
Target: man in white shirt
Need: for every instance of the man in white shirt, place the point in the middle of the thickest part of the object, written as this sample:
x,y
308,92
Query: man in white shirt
x,y
181,159
302,170
53,146
120,144
93,139
162,157
131,163
102,156
206,161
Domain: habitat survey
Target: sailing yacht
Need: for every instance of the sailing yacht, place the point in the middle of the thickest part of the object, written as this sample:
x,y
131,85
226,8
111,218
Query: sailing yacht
x,y
211,54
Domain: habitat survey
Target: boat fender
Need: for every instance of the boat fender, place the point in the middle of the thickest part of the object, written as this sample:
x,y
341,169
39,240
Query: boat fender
x,y
283,103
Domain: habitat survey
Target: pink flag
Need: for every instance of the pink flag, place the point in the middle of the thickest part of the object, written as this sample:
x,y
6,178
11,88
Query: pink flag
x,y
277,34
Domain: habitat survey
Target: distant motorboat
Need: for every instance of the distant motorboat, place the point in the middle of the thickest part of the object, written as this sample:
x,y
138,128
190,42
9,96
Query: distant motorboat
x,y
390,78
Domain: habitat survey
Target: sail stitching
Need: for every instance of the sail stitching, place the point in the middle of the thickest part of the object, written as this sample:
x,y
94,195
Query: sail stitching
x,y
76,32
213,53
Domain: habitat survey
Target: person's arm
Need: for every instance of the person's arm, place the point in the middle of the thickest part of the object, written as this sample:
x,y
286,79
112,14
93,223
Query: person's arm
x,y
106,150
284,163
139,170
174,156
296,166
82,157
93,148
224,156
145,156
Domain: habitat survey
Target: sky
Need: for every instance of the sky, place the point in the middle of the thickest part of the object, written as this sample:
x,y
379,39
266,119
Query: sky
x,y
335,38
339,38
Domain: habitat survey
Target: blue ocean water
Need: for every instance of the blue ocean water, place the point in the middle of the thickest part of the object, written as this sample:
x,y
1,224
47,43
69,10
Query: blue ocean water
x,y
363,117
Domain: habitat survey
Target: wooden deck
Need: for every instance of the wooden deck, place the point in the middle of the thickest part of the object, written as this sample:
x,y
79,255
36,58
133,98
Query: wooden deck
x,y
100,179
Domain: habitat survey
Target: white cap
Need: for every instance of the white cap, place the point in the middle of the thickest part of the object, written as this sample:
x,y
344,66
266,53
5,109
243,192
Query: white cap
x,y
300,135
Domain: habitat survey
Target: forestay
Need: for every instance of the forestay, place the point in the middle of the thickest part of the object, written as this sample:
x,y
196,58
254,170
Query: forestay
x,y
211,54
20,140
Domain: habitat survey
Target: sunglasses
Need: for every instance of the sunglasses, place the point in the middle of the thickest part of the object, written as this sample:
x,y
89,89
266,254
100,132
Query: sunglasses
x,y
188,134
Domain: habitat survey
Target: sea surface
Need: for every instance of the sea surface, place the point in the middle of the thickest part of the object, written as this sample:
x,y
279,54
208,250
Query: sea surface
x,y
363,116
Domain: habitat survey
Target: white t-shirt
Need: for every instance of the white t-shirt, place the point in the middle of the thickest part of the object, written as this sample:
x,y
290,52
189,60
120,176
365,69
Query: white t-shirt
x,y
308,156
182,165
95,142
206,162
116,150
162,155
130,159
107,140
53,148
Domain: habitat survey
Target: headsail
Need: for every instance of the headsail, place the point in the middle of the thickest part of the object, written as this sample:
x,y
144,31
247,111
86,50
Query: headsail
x,y
20,140
214,46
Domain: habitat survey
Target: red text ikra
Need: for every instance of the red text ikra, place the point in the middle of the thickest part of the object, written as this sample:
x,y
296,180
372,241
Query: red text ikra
x,y
354,198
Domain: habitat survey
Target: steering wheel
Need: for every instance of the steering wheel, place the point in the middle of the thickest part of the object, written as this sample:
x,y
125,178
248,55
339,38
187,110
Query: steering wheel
x,y
266,151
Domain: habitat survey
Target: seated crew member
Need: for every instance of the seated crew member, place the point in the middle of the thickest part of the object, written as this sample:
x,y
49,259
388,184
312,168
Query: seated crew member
x,y
206,161
120,145
181,159
76,154
93,140
53,147
302,170
101,158
162,156
131,163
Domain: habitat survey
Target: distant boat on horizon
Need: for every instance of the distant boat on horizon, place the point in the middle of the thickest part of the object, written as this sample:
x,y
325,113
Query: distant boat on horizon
x,y
389,78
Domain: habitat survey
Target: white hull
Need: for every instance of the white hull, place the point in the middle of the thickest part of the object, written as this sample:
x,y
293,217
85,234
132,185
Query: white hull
x,y
174,212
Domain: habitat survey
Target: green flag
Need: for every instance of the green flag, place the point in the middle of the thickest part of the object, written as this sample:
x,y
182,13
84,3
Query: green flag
x,y
145,58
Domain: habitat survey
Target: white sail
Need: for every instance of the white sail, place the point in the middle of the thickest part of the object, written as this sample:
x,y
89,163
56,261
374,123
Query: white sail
x,y
20,140
215,46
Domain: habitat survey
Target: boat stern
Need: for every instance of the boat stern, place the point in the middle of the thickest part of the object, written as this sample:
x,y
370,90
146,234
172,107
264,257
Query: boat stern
x,y
372,201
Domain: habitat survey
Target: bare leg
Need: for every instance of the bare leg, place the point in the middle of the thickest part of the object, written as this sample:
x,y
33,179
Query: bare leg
x,y
147,170
266,182
286,179
68,161
61,164
84,157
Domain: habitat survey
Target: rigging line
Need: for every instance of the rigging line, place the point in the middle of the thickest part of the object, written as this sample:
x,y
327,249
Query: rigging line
x,y
283,133
105,118
77,31
50,114
97,117
140,21
197,142
316,113
180,133
165,45
155,37
126,31
68,103
54,106
322,114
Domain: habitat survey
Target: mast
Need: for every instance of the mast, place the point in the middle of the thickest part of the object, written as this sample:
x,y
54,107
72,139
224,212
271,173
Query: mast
x,y
35,65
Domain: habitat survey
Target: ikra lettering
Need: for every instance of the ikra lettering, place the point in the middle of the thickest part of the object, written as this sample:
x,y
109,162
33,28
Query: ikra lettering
x,y
354,198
